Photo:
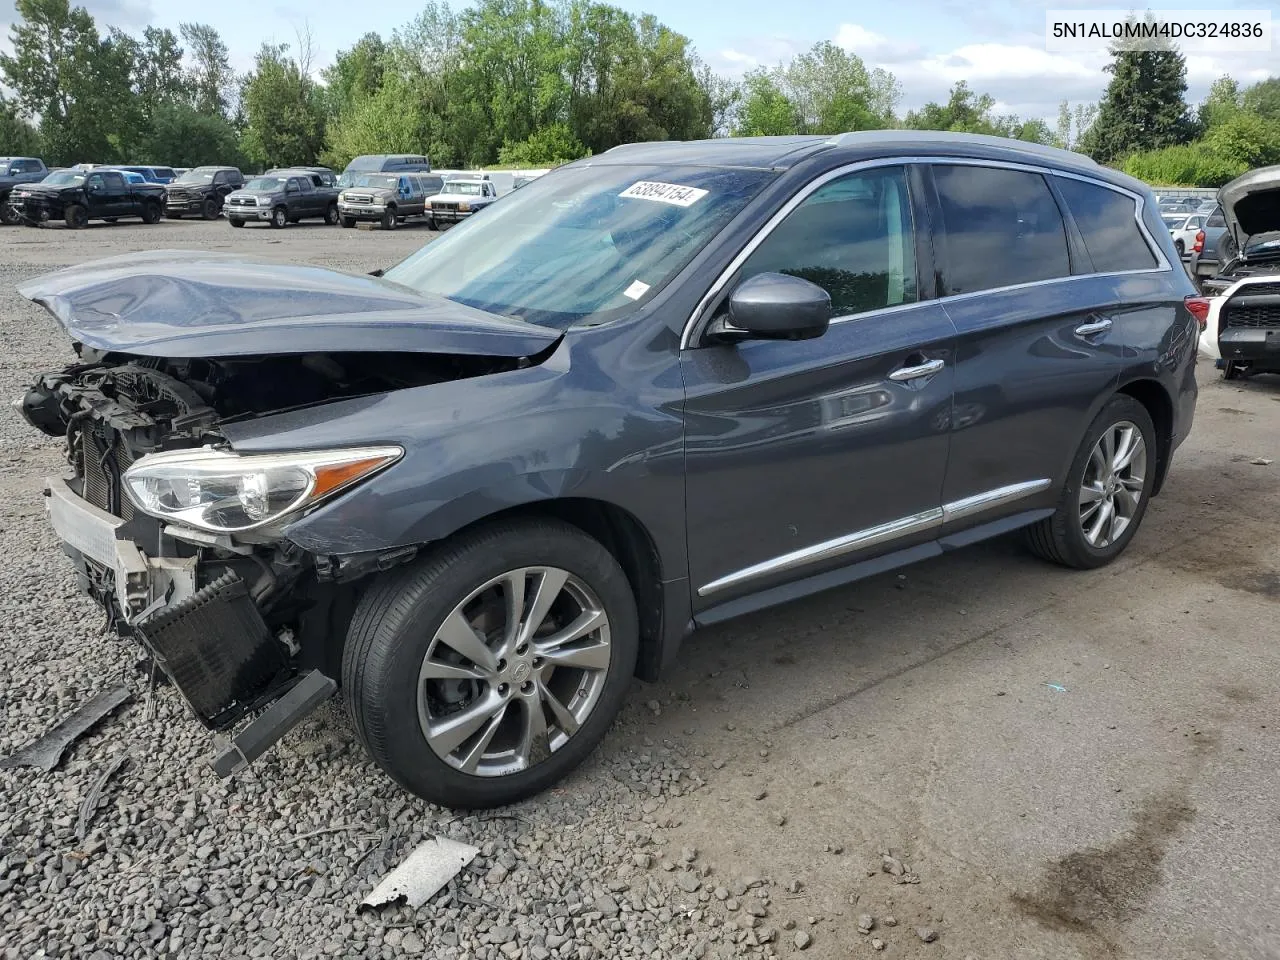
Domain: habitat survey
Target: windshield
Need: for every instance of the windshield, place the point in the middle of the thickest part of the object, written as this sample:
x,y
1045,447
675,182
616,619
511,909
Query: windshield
x,y
66,178
375,180
265,183
582,243
196,176
465,189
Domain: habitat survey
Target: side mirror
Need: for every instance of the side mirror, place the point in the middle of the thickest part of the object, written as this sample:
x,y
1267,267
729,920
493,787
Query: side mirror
x,y
774,306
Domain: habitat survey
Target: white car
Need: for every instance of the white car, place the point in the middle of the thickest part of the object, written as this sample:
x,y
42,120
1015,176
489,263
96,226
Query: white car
x,y
1184,233
1209,336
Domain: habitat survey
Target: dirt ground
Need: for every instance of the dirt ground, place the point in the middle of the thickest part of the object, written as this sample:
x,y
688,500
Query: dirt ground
x,y
1073,765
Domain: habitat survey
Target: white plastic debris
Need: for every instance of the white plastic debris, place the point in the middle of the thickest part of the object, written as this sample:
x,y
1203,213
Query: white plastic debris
x,y
432,864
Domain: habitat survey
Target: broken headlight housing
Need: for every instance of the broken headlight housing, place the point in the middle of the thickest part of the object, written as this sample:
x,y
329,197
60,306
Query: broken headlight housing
x,y
224,492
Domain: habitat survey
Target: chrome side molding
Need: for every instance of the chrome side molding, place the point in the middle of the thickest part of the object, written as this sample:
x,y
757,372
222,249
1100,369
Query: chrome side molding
x,y
882,533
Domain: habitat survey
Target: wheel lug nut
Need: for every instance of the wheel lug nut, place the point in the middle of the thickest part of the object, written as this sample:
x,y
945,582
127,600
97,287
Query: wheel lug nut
x,y
526,687
502,689
522,649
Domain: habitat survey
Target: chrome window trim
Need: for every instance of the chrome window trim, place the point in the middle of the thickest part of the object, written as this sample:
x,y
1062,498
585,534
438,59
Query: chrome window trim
x,y
881,533
696,317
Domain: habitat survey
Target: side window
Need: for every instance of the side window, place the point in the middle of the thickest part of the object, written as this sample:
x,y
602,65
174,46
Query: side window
x,y
316,181
1107,221
1195,223
432,185
220,178
94,181
853,237
999,228
1217,219
115,181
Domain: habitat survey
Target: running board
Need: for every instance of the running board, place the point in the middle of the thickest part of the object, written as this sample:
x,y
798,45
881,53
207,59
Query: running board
x,y
278,719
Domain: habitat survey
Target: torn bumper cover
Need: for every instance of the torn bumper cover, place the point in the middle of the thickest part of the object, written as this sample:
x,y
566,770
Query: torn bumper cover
x,y
211,641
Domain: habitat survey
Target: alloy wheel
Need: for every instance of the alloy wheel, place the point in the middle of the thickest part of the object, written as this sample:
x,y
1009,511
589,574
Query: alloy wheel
x,y
514,671
1115,478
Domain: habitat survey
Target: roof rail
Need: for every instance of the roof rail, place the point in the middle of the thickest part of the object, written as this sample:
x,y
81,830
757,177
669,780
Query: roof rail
x,y
871,137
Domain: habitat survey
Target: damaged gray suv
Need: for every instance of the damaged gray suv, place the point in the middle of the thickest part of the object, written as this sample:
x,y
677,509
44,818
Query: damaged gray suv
x,y
654,389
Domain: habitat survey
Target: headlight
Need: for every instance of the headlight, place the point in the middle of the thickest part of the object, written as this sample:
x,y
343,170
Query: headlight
x,y
262,201
224,492
464,207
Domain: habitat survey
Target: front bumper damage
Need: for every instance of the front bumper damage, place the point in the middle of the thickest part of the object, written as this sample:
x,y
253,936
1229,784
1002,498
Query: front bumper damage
x,y
211,641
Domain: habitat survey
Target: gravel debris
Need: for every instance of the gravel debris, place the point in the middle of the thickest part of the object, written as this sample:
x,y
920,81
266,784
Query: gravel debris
x,y
877,943
866,923
803,940
889,921
927,934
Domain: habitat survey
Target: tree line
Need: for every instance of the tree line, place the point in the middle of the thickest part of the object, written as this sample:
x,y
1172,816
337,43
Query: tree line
x,y
538,82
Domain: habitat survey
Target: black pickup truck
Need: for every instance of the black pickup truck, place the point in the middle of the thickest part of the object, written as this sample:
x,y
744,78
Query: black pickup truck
x,y
78,196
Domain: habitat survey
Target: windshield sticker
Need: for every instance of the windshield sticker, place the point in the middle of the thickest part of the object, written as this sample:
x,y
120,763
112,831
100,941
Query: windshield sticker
x,y
637,290
671,193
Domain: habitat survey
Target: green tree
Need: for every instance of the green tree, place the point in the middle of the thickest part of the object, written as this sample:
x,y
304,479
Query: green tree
x,y
766,111
183,136
1263,98
834,92
19,138
547,147
383,122
284,121
355,73
1190,165
969,112
210,79
1144,107
1223,102
1245,138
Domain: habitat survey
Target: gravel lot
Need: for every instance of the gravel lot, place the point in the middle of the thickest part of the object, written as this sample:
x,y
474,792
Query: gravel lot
x,y
1061,765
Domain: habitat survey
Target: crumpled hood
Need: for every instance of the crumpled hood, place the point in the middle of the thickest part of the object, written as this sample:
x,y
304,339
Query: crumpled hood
x,y
1251,205
185,303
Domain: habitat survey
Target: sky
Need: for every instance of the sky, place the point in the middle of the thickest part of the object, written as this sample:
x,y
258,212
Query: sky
x,y
997,47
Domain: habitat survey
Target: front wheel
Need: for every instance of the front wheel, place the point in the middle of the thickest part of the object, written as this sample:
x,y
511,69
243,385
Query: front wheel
x,y
348,222
1234,370
431,224
1107,491
331,214
492,667
151,212
388,219
234,222
279,218
76,216
209,209
8,214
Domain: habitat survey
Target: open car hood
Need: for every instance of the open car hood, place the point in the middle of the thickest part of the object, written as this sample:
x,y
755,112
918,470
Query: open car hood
x,y
1251,206
184,303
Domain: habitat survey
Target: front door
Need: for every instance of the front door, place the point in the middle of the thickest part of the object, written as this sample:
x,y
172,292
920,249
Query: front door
x,y
804,456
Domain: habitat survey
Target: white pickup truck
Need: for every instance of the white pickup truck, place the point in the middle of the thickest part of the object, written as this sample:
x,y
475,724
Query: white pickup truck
x,y
461,197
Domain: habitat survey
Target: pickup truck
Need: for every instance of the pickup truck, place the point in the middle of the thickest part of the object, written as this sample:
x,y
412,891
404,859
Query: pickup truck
x,y
283,197
15,171
78,196
387,198
460,198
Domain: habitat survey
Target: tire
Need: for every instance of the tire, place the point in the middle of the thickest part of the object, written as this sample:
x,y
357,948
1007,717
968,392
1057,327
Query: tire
x,y
279,218
76,216
151,212
389,218
234,222
331,214
348,222
1062,538
210,209
8,216
1180,247
395,627
431,224
1232,370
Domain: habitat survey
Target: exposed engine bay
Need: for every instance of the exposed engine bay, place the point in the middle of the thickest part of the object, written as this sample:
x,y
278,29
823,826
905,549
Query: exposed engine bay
x,y
232,620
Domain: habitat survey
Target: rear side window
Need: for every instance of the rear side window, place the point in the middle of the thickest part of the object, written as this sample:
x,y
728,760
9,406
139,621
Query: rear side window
x,y
852,237
1108,222
1217,219
999,228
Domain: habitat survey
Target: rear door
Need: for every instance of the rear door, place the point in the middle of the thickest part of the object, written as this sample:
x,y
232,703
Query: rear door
x,y
1035,349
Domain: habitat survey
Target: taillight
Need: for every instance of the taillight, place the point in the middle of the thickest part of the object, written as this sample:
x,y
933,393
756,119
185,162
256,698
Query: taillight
x,y
1199,246
1199,307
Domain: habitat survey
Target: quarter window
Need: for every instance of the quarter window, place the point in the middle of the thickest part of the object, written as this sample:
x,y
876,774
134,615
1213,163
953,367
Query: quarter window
x,y
853,237
1107,221
999,228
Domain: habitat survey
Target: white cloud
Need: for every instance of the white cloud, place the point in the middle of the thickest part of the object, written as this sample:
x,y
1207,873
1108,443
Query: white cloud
x,y
747,53
874,47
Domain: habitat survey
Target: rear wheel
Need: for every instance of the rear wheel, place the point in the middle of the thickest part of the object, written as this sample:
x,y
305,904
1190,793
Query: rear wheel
x,y
1107,491
389,218
76,216
331,214
1180,247
209,209
279,217
491,668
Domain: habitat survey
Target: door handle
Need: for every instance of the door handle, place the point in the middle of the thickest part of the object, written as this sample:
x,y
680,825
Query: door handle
x,y
1101,325
926,369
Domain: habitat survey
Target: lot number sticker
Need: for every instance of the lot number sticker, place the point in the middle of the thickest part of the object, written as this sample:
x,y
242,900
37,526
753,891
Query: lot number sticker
x,y
671,193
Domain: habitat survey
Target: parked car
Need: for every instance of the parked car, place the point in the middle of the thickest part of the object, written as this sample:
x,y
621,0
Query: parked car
x,y
1205,252
387,198
1184,231
672,384
78,196
201,191
15,171
153,174
1244,316
384,163
283,197
460,199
